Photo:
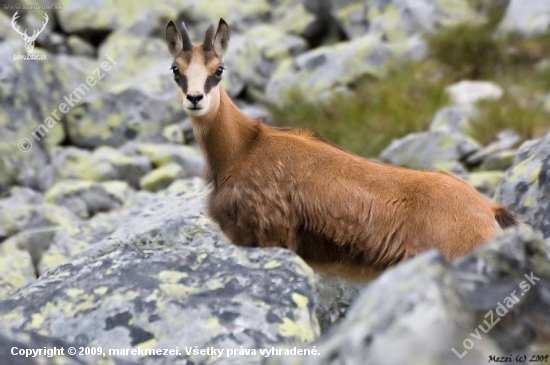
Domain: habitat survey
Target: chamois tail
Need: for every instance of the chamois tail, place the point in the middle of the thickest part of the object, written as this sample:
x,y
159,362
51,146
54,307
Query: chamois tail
x,y
504,217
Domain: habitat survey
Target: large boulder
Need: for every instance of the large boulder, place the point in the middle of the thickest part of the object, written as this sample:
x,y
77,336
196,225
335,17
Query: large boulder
x,y
188,158
429,311
526,186
30,95
253,56
316,72
166,279
33,349
86,198
19,213
103,164
429,150
16,266
138,99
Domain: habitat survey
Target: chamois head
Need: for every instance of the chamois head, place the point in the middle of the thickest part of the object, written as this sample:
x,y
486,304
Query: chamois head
x,y
198,68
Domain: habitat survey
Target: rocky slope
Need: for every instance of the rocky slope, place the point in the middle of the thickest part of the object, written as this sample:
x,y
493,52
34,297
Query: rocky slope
x,y
103,237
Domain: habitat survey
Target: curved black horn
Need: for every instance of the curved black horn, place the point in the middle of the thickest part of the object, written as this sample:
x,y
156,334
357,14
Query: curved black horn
x,y
208,39
186,40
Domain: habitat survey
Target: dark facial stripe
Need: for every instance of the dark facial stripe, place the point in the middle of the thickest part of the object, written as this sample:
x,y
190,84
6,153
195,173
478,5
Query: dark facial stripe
x,y
211,82
182,83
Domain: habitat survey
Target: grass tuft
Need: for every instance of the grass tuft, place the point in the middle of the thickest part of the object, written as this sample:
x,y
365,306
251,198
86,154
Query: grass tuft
x,y
526,117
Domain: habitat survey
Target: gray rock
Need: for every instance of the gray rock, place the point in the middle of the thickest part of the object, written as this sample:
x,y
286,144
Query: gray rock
x,y
79,47
426,150
73,239
5,23
399,19
162,177
78,16
465,94
253,56
103,164
87,198
450,120
188,158
333,297
129,110
526,20
22,85
485,182
18,217
526,186
505,141
167,280
297,17
418,312
22,341
16,266
324,68
22,195
203,13
257,111
500,160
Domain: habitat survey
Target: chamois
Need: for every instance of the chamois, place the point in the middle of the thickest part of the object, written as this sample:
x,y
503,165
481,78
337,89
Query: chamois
x,y
290,188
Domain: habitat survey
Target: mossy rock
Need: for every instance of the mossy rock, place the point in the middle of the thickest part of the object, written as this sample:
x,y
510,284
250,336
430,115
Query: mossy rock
x,y
426,150
525,187
87,198
485,182
103,164
397,20
160,154
320,70
166,277
16,267
161,177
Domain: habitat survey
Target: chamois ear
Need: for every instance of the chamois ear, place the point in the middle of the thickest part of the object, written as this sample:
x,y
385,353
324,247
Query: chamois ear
x,y
173,39
177,41
221,40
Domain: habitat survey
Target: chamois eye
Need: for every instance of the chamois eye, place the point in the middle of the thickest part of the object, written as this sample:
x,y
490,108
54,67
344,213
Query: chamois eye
x,y
219,71
176,71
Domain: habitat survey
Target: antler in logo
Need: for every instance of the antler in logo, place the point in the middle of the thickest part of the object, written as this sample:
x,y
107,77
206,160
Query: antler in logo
x,y
29,41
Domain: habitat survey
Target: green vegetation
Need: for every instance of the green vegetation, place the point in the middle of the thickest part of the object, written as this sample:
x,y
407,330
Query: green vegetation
x,y
407,99
378,111
472,52
526,117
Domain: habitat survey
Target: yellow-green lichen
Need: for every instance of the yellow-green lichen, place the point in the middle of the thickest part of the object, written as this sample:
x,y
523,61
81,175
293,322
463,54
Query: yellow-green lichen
x,y
300,300
161,177
170,276
272,264
297,330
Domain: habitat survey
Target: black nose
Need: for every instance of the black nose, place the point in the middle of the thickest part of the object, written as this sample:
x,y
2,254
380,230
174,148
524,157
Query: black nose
x,y
194,98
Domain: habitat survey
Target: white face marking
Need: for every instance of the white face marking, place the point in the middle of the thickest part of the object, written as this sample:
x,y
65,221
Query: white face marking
x,y
196,78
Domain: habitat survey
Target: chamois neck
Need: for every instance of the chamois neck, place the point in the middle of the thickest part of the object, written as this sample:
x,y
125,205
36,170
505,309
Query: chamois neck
x,y
222,135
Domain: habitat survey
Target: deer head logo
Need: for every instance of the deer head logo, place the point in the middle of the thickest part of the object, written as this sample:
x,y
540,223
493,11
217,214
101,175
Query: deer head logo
x,y
29,41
